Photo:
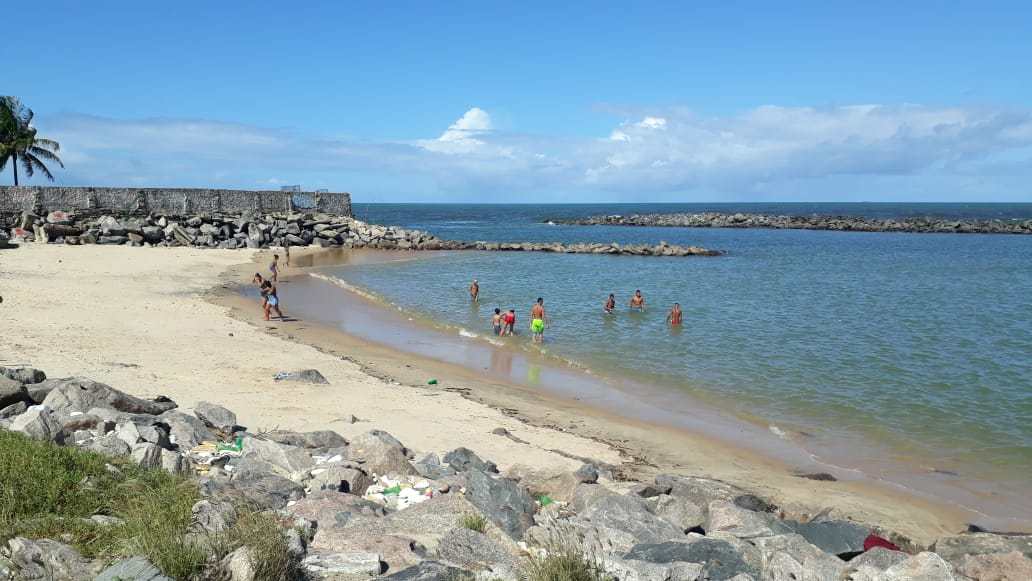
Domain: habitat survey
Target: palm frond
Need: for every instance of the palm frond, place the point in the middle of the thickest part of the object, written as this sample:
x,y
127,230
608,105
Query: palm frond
x,y
31,163
44,154
48,143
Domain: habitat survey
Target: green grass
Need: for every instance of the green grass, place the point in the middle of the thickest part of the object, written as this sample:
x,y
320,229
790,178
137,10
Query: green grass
x,y
474,522
49,491
565,559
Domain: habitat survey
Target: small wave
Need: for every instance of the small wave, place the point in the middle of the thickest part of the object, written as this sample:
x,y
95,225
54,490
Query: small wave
x,y
778,432
348,287
470,334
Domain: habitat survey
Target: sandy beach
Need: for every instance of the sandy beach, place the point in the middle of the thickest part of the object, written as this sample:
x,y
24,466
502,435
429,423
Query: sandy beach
x,y
171,321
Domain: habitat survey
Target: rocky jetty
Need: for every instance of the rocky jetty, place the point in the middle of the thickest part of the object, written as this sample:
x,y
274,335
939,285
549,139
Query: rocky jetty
x,y
815,222
268,230
366,507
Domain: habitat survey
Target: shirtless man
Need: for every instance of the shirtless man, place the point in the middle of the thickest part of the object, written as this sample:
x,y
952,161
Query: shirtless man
x,y
537,320
610,304
638,301
496,322
674,318
474,291
274,267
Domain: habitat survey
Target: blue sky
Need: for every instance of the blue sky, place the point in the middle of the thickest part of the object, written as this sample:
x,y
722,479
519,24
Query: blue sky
x,y
537,102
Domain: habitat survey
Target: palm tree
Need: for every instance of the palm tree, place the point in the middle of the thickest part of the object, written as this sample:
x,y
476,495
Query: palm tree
x,y
18,141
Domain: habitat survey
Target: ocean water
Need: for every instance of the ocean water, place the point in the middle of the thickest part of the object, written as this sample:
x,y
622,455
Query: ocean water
x,y
917,347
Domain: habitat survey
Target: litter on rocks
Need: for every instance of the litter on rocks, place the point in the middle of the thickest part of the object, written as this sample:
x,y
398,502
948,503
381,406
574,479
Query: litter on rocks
x,y
399,493
205,454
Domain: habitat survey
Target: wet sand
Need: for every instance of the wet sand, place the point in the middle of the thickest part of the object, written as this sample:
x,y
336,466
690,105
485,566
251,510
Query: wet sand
x,y
569,401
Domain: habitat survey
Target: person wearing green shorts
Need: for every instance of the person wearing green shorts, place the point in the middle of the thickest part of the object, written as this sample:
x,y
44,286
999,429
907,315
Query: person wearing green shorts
x,y
537,320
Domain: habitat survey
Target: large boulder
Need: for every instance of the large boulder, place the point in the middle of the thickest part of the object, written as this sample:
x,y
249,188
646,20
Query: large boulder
x,y
790,556
381,453
29,375
727,517
79,394
12,391
132,569
838,537
720,559
265,489
185,430
39,423
15,409
600,507
109,444
340,478
955,548
319,439
429,571
470,549
47,560
680,511
502,500
285,460
463,459
1012,566
216,416
343,565
921,567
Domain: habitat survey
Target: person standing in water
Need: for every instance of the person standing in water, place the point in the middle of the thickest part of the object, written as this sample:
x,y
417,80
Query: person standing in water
x,y
509,323
496,322
638,301
474,291
286,254
537,320
274,267
674,318
610,304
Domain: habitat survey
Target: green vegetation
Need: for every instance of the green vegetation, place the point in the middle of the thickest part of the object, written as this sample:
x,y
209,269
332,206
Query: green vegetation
x,y
565,559
19,142
50,491
474,522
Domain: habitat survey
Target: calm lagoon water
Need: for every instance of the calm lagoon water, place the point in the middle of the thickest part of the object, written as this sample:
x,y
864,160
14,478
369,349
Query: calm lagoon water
x,y
920,344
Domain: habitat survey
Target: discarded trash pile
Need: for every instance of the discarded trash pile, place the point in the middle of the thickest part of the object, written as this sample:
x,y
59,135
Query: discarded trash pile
x,y
265,230
369,508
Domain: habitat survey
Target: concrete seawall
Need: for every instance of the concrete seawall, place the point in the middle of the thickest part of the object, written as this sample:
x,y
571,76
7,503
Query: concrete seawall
x,y
167,201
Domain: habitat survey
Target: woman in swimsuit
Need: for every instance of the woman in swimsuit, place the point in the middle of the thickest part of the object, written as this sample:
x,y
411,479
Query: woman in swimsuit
x,y
610,304
274,268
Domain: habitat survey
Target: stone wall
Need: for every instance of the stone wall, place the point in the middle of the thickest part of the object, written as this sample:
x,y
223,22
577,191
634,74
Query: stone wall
x,y
169,201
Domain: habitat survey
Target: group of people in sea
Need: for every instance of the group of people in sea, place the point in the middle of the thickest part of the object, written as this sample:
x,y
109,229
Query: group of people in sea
x,y
504,324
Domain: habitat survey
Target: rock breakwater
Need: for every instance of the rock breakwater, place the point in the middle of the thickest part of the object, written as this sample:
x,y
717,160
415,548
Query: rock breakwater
x,y
278,230
366,507
815,222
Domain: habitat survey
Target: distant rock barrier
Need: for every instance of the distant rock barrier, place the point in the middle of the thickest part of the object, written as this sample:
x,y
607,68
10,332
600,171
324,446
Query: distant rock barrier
x,y
925,225
253,230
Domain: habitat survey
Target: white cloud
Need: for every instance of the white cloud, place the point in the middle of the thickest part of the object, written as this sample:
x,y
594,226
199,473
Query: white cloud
x,y
764,149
